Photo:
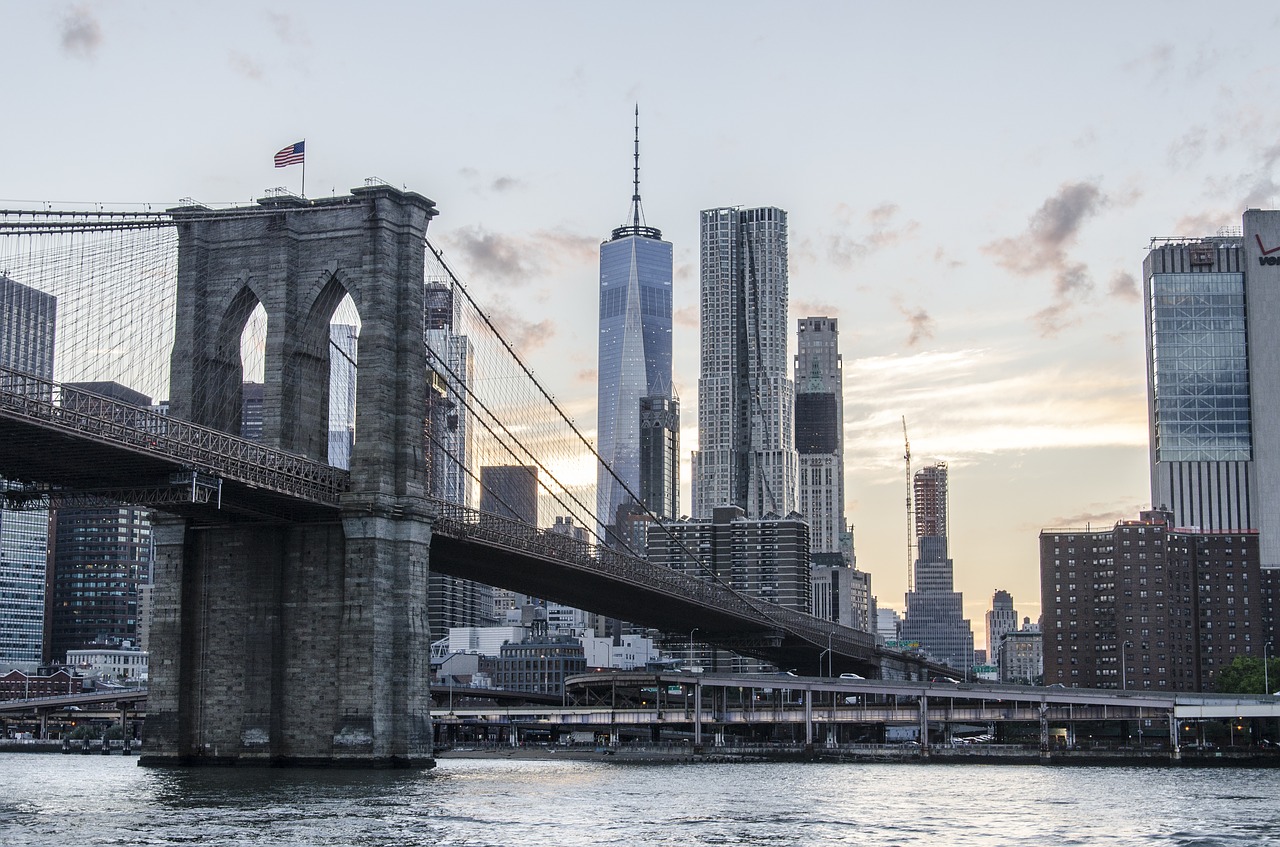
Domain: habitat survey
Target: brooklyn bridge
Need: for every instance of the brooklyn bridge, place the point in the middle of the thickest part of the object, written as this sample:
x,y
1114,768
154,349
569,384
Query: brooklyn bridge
x,y
273,568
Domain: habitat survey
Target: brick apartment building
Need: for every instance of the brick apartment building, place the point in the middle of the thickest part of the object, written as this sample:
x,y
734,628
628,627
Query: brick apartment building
x,y
1146,605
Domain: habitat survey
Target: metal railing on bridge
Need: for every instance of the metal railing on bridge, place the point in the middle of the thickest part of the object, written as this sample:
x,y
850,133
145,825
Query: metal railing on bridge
x,y
498,531
204,450
194,447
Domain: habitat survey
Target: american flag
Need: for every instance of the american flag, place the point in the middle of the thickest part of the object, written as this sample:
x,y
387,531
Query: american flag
x,y
291,155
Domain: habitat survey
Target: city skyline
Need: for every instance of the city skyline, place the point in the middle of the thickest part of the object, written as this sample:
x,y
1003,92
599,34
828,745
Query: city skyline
x,y
974,210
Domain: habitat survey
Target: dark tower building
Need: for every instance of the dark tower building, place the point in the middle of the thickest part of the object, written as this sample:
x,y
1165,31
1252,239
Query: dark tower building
x,y
660,455
819,432
101,557
510,491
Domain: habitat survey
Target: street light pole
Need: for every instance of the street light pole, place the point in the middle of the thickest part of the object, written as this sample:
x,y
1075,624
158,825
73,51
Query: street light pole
x,y
1124,675
691,632
1266,680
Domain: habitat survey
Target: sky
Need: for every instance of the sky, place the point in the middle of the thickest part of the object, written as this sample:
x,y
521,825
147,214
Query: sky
x,y
971,189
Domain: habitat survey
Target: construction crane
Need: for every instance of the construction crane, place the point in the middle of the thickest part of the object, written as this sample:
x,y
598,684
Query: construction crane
x,y
911,528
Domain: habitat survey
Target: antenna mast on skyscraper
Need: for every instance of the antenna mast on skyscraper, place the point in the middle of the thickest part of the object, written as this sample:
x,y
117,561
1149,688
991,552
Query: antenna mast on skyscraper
x,y
911,529
635,226
635,194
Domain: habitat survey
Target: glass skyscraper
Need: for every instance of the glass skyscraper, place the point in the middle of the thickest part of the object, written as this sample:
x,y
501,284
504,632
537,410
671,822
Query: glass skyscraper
x,y
1212,306
27,328
746,453
451,601
1198,379
634,355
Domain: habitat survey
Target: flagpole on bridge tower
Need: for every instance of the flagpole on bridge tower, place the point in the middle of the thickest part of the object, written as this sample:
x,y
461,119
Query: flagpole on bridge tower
x,y
304,169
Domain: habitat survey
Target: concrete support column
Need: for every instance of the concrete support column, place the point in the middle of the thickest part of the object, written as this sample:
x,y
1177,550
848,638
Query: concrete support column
x,y
1175,739
697,714
1044,732
924,725
808,720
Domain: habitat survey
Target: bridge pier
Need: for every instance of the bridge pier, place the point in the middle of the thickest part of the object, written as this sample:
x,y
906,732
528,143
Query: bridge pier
x,y
298,645
301,641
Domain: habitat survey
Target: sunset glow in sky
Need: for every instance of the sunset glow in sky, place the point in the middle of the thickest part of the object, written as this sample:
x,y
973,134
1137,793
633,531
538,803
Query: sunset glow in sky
x,y
971,189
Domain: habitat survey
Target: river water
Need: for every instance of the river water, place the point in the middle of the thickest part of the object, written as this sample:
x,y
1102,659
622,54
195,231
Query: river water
x,y
50,799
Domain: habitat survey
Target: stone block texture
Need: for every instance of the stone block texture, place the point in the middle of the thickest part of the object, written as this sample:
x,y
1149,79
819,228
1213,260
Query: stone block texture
x,y
301,643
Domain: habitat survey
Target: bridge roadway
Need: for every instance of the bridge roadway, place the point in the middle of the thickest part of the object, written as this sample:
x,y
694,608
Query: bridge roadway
x,y
70,446
136,699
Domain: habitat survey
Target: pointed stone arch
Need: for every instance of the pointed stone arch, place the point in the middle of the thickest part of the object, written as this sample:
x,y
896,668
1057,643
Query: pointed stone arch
x,y
249,615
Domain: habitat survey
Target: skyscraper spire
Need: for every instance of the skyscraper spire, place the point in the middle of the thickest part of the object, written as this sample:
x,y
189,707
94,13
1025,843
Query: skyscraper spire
x,y
635,194
634,226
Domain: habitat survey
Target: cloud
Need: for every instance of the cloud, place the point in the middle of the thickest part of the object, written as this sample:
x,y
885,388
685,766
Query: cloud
x,y
919,321
1124,286
941,256
686,317
1261,186
813,308
81,32
1043,246
1099,518
881,231
1054,318
245,66
479,182
518,259
1204,223
524,335
969,403
587,376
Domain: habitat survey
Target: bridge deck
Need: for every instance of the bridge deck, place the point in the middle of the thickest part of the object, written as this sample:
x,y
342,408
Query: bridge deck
x,y
67,439
65,442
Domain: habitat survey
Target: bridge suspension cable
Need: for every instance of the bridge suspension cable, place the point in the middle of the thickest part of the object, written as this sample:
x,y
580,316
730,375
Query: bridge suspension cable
x,y
582,443
112,277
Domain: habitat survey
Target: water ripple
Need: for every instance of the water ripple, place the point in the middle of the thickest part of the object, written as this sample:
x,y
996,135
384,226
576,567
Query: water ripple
x,y
56,800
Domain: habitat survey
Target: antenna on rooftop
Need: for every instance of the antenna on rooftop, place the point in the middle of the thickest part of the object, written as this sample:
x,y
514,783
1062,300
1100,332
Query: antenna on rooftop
x,y
635,194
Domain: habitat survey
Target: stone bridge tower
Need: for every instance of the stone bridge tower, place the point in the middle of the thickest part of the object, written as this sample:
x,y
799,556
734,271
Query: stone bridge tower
x,y
286,642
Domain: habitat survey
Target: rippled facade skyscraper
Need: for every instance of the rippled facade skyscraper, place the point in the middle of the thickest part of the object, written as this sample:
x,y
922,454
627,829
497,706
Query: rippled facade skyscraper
x,y
746,453
634,360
